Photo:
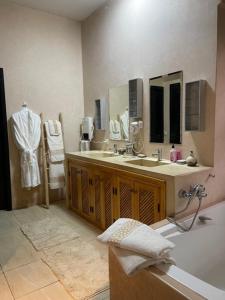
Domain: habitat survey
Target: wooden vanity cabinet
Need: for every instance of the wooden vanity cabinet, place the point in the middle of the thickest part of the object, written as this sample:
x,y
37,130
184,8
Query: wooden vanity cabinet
x,y
103,194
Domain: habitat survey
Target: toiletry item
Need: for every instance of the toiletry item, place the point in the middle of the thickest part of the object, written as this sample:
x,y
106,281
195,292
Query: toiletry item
x,y
181,161
141,155
191,160
179,156
173,154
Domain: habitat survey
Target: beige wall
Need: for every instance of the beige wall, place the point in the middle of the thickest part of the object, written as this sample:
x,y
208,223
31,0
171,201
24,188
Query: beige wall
x,y
42,60
147,38
219,182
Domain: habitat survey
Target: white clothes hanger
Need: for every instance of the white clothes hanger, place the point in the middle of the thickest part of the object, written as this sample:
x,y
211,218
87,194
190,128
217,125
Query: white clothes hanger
x,y
24,106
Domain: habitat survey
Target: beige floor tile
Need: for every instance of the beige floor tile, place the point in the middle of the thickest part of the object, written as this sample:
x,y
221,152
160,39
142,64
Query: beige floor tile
x,y
54,291
29,278
102,296
67,215
17,251
88,232
81,226
100,247
5,293
8,223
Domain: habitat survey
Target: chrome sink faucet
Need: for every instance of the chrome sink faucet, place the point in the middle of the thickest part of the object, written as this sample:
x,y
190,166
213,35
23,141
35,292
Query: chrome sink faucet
x,y
115,150
158,154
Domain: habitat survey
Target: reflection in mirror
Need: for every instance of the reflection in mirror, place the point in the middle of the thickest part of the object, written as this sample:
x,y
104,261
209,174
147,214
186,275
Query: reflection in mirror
x,y
118,112
165,108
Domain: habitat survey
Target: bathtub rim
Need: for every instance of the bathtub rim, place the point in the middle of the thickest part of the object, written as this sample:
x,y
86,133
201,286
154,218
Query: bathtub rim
x,y
182,291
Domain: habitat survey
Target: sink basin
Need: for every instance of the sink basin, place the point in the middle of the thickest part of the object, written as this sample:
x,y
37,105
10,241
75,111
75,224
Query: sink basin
x,y
146,162
100,154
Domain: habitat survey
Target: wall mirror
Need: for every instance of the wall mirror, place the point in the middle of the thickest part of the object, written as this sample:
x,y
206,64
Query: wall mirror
x,y
118,112
166,108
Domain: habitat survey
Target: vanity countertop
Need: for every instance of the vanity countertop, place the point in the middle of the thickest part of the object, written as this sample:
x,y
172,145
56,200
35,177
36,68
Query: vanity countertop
x,y
168,169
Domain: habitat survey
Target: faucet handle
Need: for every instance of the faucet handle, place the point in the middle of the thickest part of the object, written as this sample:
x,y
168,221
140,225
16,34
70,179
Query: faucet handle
x,y
115,148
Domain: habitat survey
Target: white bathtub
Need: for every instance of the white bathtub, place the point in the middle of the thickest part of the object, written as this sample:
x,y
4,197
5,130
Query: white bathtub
x,y
200,254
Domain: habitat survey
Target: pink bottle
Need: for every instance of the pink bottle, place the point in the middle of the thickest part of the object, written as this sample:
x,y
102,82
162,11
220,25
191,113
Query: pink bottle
x,y
179,156
173,154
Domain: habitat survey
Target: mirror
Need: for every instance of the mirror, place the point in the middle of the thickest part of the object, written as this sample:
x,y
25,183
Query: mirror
x,y
118,112
165,108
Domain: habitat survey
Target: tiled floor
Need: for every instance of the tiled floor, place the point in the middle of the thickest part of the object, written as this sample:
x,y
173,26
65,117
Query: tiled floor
x,y
23,275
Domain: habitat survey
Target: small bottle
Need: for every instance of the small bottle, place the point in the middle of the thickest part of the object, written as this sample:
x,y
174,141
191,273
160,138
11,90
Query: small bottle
x,y
173,154
179,156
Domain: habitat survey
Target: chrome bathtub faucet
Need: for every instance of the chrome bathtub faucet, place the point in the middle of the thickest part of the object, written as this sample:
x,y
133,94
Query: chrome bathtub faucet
x,y
197,190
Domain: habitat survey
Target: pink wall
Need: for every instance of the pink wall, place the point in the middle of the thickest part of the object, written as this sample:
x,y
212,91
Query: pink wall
x,y
219,154
42,59
146,38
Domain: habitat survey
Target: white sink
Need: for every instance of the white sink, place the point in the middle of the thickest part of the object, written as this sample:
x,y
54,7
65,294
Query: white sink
x,y
100,154
147,162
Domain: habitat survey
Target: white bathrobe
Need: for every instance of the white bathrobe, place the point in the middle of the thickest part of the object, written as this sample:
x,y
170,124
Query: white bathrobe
x,y
27,132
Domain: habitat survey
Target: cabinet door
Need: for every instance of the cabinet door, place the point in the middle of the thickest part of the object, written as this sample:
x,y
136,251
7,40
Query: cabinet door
x,y
101,199
96,203
107,199
85,194
149,202
125,189
75,183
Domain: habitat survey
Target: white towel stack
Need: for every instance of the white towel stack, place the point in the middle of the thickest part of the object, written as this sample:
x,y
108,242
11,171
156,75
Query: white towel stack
x,y
137,245
55,154
55,142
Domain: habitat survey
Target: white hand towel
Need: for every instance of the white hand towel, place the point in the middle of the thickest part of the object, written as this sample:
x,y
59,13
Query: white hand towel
x,y
115,131
55,144
137,237
132,262
54,127
56,175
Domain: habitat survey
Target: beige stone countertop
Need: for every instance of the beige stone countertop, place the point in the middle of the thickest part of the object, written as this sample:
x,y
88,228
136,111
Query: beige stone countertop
x,y
106,158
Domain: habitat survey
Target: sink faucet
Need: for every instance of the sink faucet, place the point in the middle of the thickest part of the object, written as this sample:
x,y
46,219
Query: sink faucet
x,y
115,148
158,154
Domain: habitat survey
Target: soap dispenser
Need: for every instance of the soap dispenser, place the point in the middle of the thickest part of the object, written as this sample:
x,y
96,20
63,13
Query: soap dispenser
x,y
191,160
173,154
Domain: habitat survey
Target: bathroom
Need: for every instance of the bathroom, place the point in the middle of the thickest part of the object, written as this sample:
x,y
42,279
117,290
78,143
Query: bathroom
x,y
58,59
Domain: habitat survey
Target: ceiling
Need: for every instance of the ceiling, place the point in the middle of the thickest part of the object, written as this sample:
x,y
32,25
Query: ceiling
x,y
74,9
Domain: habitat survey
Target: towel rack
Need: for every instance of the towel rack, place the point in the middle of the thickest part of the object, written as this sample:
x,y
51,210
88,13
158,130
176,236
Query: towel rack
x,y
44,154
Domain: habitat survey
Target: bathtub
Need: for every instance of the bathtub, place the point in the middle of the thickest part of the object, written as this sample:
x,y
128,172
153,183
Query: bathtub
x,y
200,254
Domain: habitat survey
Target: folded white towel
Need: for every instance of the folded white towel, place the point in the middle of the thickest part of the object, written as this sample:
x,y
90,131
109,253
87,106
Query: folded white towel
x,y
115,130
137,237
55,144
56,175
54,127
132,262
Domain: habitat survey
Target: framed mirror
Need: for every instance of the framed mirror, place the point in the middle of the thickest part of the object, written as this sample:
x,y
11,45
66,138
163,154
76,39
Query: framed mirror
x,y
118,113
166,108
